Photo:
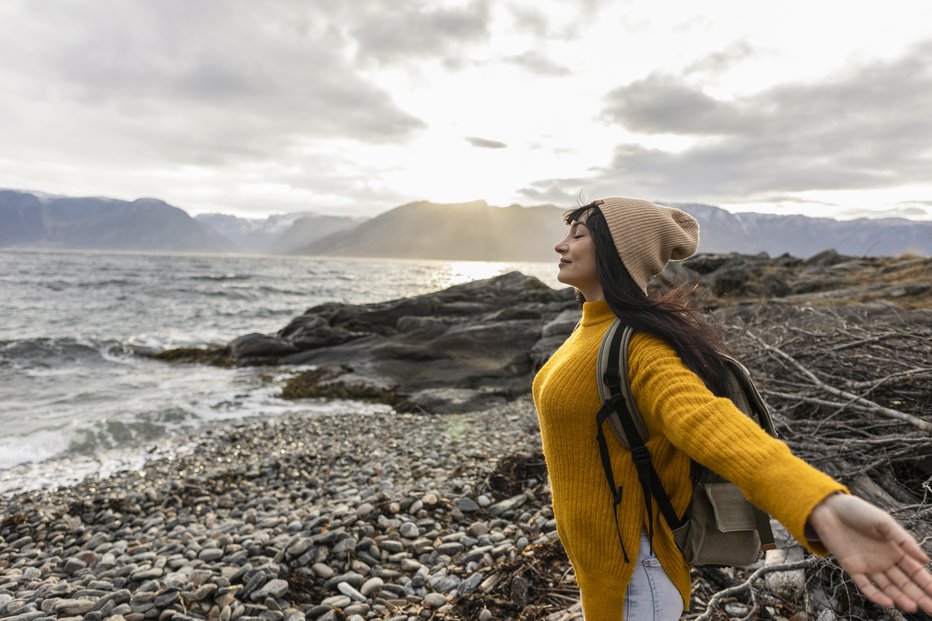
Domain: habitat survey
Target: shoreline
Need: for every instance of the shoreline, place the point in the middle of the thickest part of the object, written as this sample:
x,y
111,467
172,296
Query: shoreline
x,y
69,469
376,515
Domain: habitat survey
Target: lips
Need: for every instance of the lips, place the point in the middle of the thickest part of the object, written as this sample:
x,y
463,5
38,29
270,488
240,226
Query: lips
x,y
564,262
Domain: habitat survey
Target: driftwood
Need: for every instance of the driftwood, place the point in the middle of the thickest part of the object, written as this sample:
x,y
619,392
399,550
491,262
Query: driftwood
x,y
851,392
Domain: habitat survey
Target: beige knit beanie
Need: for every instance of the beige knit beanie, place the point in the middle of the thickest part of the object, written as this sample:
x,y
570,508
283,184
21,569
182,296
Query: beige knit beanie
x,y
647,236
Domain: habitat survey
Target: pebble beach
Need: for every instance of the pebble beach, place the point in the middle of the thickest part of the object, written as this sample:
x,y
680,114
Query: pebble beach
x,y
383,516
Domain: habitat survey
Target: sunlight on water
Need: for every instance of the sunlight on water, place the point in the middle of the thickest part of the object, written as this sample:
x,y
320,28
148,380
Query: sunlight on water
x,y
459,272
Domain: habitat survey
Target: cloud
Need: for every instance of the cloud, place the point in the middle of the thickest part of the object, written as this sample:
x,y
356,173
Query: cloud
x,y
567,191
917,209
784,198
914,212
664,104
555,21
392,31
538,63
530,19
718,62
866,128
187,83
484,143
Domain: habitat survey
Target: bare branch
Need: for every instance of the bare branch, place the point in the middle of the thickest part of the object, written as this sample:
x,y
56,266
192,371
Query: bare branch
x,y
918,423
767,569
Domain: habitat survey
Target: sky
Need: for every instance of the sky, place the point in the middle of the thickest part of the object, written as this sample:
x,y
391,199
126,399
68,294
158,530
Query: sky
x,y
356,107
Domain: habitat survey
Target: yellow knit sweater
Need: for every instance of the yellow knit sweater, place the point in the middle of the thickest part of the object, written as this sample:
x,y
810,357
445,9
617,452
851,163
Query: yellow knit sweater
x,y
683,419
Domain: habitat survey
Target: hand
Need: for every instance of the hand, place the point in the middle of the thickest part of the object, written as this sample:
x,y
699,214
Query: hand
x,y
884,560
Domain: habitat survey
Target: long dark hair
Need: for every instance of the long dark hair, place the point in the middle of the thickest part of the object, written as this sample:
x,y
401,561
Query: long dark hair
x,y
668,316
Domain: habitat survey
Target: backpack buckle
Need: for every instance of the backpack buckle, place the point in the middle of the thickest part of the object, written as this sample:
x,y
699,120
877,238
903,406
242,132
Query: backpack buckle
x,y
611,379
640,455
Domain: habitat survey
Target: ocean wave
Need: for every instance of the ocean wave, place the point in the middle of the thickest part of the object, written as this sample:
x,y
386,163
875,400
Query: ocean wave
x,y
59,356
91,437
34,447
53,353
147,344
112,282
219,277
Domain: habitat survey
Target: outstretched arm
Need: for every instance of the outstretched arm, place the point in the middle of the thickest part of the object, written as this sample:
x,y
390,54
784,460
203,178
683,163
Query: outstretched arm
x,y
884,560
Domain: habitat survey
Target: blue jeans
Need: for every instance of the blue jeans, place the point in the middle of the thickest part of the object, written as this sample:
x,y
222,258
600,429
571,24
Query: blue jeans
x,y
651,595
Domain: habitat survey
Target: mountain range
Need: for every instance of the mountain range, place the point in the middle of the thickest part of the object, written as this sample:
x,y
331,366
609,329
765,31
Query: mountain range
x,y
472,230
277,234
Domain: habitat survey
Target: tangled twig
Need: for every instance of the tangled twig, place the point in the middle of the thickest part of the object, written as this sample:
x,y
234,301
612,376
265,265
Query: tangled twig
x,y
746,585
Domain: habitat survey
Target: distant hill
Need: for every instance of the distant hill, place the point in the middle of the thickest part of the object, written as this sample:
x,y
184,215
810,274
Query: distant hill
x,y
35,220
473,230
276,234
477,230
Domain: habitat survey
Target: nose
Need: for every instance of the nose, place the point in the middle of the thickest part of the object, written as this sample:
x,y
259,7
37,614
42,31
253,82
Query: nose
x,y
561,246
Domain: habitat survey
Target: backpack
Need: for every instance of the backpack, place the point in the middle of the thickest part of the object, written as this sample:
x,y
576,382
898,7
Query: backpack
x,y
720,527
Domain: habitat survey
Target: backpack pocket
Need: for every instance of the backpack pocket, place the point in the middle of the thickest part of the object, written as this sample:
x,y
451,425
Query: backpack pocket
x,y
721,529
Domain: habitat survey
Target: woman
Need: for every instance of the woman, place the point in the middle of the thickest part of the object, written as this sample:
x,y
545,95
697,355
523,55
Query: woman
x,y
614,247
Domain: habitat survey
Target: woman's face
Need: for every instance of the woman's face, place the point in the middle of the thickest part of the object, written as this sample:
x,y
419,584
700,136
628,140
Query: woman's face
x,y
577,260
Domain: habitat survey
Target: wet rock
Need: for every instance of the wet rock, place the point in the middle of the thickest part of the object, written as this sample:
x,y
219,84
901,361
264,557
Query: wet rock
x,y
505,506
210,554
467,505
337,601
353,579
147,573
371,586
73,607
322,570
434,600
449,549
347,589
470,584
257,346
73,565
26,616
273,588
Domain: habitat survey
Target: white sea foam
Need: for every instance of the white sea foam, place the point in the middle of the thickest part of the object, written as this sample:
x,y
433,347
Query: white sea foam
x,y
58,470
33,447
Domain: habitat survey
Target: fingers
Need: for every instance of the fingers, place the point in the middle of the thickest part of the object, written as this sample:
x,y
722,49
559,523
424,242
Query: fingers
x,y
871,592
901,588
905,541
887,584
916,580
917,574
908,590
920,583
911,547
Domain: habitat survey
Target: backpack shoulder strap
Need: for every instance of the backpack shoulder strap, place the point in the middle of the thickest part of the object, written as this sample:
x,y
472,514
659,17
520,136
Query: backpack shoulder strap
x,y
742,391
620,410
612,378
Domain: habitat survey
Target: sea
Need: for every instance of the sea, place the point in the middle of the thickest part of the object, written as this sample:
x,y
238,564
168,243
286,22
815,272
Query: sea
x,y
79,398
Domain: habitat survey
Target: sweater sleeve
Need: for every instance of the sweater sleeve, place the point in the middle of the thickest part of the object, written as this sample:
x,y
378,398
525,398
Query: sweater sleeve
x,y
674,401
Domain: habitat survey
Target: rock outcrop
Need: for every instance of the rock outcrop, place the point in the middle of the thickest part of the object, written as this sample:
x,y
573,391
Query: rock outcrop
x,y
465,347
478,344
